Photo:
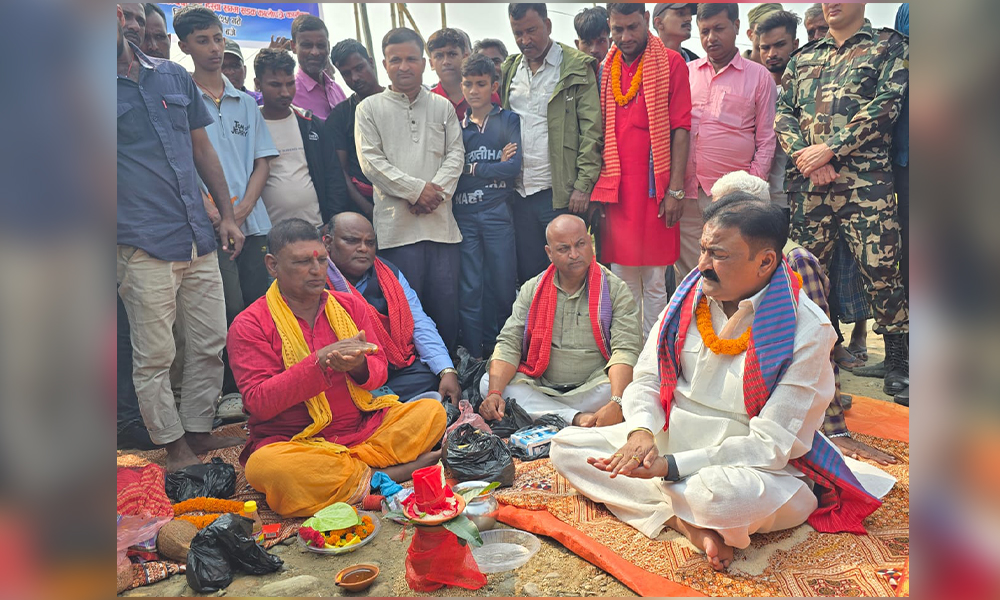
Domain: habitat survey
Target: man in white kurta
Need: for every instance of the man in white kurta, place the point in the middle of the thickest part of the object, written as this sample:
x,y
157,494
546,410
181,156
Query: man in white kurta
x,y
734,473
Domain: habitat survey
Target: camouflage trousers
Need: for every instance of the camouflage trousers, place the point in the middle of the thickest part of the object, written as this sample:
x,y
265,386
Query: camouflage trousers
x,y
866,219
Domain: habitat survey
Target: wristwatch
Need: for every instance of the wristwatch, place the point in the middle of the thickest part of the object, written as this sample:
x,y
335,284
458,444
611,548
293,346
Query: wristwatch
x,y
672,473
469,168
617,400
677,194
447,370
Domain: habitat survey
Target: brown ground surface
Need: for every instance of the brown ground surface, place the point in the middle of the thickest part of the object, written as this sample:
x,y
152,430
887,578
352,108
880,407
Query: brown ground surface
x,y
554,571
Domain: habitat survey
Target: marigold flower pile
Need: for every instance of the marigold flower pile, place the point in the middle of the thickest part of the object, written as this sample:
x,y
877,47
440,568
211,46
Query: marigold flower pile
x,y
338,538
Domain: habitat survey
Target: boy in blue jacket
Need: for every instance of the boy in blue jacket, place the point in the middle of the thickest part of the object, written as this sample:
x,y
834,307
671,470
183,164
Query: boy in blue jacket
x,y
488,274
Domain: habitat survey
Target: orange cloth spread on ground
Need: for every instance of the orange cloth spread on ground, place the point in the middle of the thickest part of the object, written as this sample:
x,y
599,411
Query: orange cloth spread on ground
x,y
308,473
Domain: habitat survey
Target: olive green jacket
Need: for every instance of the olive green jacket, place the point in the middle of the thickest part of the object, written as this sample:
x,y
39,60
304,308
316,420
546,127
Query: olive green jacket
x,y
576,130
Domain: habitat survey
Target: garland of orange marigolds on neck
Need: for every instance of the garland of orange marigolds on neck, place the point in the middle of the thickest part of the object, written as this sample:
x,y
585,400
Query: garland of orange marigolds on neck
x,y
716,344
616,79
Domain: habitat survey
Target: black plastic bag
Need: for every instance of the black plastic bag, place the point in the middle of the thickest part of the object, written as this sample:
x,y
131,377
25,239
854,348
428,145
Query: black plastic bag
x,y
472,455
222,547
216,479
452,411
552,420
470,371
514,418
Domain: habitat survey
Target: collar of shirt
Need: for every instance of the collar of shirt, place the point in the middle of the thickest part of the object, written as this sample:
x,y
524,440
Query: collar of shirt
x,y
866,31
440,91
228,89
553,57
140,58
467,120
400,98
746,309
309,83
738,63
362,283
555,282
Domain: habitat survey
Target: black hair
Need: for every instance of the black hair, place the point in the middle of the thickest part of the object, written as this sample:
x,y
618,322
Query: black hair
x,y
626,8
290,231
490,43
273,59
155,8
447,37
517,11
762,224
707,10
478,65
780,18
591,23
345,48
308,23
401,35
194,17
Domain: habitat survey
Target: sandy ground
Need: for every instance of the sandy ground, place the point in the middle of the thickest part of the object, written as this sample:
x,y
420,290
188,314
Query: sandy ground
x,y
554,571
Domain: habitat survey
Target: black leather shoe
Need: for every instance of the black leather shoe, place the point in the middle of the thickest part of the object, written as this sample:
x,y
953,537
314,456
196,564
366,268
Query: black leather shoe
x,y
879,370
903,397
897,358
134,436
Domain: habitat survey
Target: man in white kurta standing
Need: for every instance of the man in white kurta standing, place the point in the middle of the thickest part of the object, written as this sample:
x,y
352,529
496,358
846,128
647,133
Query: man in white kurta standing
x,y
720,435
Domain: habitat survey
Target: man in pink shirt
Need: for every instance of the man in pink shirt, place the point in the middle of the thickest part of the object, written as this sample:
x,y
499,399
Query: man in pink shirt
x,y
314,89
732,121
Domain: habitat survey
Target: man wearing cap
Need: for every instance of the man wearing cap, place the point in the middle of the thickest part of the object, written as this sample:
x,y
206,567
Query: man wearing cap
x,y
755,16
235,70
672,23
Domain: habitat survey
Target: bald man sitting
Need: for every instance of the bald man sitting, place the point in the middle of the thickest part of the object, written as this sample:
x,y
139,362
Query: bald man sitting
x,y
572,339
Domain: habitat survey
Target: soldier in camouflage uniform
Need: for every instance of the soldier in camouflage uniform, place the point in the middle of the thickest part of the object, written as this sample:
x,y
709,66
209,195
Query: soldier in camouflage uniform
x,y
834,119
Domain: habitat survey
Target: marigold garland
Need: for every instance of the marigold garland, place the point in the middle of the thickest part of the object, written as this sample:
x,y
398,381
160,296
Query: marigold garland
x,y
714,342
200,521
208,505
616,79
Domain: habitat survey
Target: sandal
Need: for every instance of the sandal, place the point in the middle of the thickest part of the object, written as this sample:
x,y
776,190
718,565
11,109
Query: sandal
x,y
849,362
860,352
230,409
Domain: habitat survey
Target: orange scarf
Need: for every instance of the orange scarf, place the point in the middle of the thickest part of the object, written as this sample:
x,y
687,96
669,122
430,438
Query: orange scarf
x,y
656,89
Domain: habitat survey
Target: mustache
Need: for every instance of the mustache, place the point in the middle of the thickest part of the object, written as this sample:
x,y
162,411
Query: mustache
x,y
710,275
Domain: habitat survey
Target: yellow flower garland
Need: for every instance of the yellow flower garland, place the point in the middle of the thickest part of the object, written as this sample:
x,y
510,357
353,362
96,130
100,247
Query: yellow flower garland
x,y
716,344
616,79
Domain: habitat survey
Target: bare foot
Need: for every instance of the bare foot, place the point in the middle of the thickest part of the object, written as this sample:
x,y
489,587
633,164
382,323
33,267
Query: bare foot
x,y
203,442
179,455
719,555
585,420
860,450
845,359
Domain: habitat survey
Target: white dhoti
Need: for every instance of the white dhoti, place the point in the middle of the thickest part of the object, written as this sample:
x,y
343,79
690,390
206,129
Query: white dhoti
x,y
537,403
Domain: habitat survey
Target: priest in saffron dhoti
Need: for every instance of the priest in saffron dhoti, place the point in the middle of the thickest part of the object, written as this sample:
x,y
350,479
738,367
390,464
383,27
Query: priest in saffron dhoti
x,y
571,341
721,437
306,360
646,102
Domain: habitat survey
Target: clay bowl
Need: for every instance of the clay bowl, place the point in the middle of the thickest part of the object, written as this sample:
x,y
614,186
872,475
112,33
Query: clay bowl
x,y
357,577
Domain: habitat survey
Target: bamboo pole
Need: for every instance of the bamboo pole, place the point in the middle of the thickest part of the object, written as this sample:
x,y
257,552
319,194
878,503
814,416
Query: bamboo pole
x,y
357,21
367,28
403,10
392,13
444,15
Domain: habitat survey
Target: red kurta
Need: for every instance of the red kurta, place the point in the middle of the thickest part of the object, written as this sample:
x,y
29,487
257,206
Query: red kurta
x,y
275,397
633,235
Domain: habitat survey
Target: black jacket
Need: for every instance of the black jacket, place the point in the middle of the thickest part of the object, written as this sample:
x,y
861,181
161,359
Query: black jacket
x,y
329,183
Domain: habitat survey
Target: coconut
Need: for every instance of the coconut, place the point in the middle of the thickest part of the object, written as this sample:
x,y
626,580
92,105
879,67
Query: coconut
x,y
174,539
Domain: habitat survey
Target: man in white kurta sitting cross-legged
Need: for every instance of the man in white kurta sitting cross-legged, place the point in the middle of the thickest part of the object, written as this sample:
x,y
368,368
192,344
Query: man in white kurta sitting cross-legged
x,y
720,435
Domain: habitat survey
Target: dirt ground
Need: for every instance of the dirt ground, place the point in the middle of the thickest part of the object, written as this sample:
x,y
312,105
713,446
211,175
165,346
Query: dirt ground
x,y
553,571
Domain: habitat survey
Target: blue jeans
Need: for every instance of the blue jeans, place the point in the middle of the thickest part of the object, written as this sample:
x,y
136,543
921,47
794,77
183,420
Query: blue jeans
x,y
488,274
531,216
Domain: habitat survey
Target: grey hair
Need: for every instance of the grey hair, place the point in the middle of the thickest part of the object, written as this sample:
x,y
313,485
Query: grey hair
x,y
814,11
741,181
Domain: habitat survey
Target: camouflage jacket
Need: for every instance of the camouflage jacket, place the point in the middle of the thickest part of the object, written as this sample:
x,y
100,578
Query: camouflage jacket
x,y
849,99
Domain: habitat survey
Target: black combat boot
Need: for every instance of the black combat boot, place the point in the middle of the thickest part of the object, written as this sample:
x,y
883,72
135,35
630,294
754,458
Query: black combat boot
x,y
897,361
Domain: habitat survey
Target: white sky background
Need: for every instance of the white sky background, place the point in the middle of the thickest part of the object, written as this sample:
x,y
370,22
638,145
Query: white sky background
x,y
489,19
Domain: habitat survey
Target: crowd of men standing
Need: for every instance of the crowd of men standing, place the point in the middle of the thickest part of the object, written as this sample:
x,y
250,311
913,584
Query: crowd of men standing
x,y
460,192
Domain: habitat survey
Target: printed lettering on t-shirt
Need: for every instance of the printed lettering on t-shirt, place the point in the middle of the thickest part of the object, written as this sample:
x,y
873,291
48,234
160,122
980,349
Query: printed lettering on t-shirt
x,y
483,153
240,128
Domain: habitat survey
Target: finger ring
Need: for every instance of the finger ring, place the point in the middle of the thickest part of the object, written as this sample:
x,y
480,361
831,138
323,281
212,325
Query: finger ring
x,y
636,459
619,455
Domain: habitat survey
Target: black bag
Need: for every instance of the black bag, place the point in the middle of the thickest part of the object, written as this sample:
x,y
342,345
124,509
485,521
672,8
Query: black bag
x,y
470,371
472,455
550,420
452,411
225,545
514,418
216,479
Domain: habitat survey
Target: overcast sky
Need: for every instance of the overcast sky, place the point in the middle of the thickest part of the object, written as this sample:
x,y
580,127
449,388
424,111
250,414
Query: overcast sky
x,y
480,20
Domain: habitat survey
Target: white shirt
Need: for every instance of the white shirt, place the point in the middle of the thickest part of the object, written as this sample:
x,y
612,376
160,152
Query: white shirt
x,y
289,192
709,424
529,98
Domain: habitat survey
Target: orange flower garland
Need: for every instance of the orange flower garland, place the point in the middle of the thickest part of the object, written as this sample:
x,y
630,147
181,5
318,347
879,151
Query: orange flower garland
x,y
616,79
213,507
714,342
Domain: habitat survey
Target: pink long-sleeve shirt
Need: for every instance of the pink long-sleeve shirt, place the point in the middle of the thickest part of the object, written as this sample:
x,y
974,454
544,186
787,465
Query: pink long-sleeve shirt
x,y
274,396
732,122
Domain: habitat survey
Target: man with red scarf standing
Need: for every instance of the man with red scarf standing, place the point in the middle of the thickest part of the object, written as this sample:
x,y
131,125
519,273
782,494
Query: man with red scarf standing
x,y
418,359
646,102
571,341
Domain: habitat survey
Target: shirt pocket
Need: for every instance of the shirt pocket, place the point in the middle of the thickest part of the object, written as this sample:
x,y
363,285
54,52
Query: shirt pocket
x,y
863,82
177,110
129,130
436,139
736,111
